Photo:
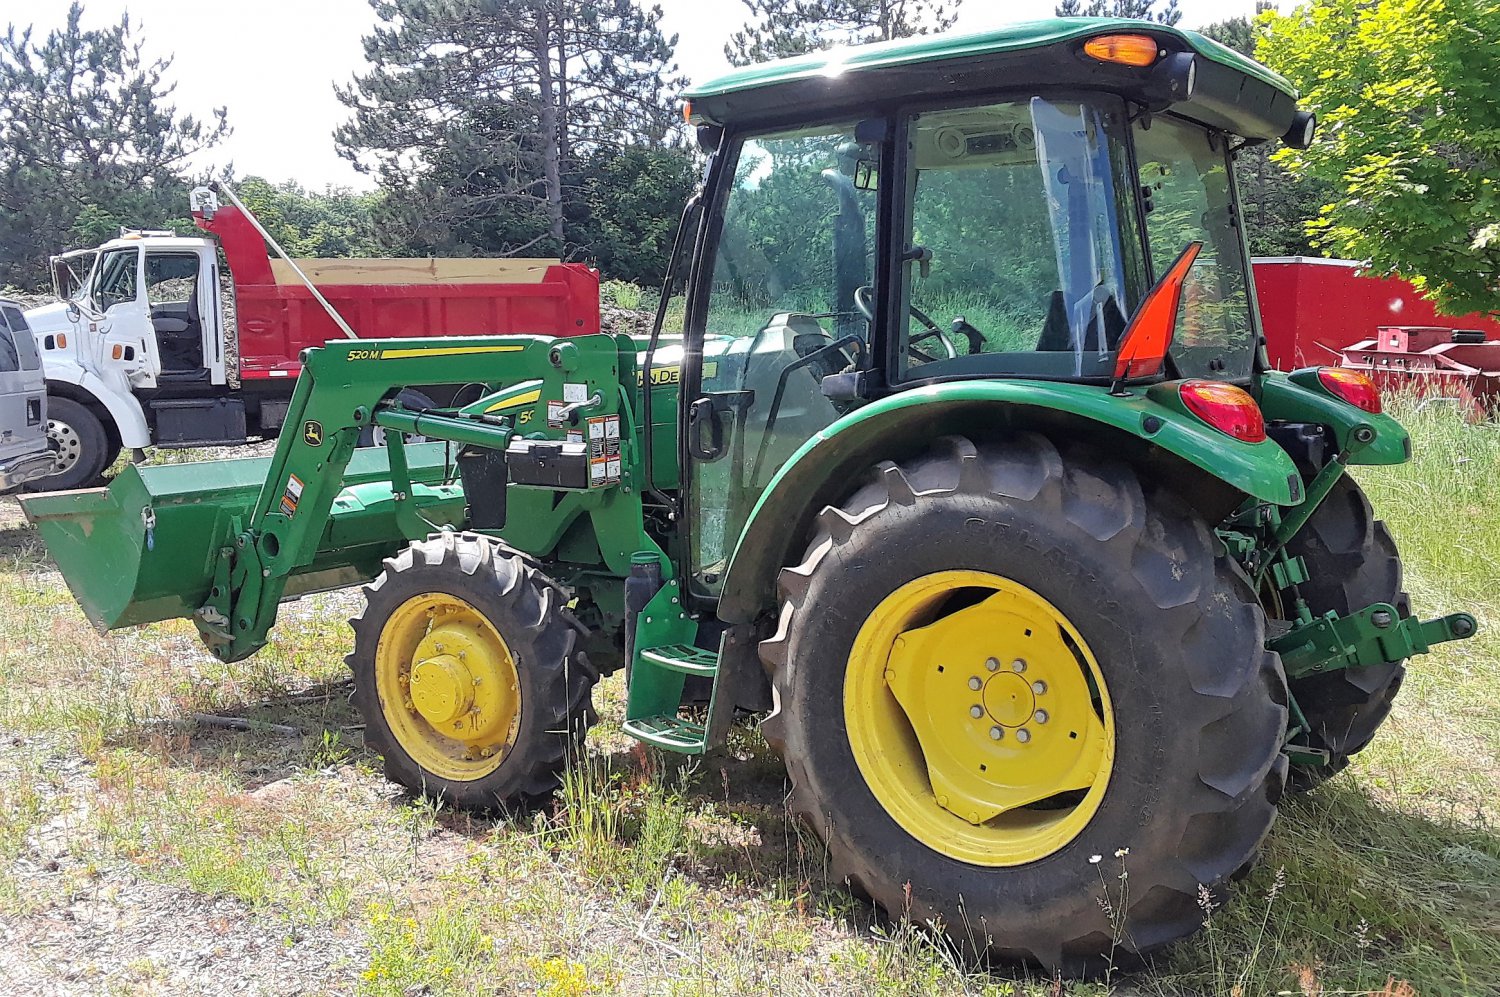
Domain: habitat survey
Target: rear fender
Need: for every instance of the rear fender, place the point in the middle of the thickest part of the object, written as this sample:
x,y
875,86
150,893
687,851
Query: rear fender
x,y
1133,425
1301,397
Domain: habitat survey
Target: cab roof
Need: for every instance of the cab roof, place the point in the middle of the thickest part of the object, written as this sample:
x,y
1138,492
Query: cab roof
x,y
1045,52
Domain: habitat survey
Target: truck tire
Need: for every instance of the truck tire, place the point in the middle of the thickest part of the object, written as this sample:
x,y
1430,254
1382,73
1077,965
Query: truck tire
x,y
1352,562
468,675
83,446
1069,645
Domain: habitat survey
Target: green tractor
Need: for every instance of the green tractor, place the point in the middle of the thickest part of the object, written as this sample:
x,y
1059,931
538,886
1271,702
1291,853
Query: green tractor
x,y
954,457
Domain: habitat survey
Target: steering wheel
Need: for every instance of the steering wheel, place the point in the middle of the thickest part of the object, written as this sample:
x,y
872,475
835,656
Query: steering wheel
x,y
864,301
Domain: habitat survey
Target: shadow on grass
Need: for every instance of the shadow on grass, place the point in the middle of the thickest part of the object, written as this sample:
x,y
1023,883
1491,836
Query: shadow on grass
x,y
260,742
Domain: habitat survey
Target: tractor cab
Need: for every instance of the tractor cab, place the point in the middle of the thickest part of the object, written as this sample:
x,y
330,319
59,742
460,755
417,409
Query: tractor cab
x,y
995,206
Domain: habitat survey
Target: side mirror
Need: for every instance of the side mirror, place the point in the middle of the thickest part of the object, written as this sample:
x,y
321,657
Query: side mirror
x,y
75,314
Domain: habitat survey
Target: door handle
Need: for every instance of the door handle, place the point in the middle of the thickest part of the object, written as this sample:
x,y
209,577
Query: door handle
x,y
702,411
706,411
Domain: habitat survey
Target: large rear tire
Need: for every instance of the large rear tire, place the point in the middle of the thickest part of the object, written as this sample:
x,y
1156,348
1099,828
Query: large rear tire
x,y
468,675
1352,562
1102,631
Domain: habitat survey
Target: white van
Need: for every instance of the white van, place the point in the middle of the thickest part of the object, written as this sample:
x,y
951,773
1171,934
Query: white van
x,y
25,453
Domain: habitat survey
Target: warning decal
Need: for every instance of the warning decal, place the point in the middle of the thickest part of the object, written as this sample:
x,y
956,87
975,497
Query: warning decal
x,y
292,495
604,450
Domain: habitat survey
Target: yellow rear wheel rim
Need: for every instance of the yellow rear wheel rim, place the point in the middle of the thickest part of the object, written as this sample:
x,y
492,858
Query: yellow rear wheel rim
x,y
447,686
979,718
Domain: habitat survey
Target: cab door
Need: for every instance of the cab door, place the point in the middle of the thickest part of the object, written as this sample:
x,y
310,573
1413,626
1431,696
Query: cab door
x,y
783,298
127,341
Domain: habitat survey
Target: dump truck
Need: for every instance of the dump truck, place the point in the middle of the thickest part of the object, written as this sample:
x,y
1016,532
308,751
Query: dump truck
x,y
152,342
1010,588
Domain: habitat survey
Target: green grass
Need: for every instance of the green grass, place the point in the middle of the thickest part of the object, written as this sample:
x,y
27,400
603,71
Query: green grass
x,y
651,874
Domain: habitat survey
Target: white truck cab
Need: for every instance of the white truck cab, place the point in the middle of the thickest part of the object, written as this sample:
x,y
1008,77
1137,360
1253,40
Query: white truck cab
x,y
138,320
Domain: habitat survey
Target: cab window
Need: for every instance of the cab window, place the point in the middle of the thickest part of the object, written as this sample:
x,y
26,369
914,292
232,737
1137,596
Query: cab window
x,y
21,337
10,360
116,281
1023,254
791,302
1186,186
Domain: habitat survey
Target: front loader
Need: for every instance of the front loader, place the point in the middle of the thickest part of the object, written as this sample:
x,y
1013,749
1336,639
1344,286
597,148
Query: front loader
x,y
962,469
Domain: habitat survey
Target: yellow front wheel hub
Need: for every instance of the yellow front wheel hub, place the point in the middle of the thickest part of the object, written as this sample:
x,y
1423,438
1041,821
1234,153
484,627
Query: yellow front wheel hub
x,y
979,718
448,686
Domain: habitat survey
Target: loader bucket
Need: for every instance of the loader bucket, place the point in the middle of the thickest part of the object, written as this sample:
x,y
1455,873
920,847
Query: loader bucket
x,y
123,573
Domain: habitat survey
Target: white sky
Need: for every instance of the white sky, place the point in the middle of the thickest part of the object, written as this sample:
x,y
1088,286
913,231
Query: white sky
x,y
273,63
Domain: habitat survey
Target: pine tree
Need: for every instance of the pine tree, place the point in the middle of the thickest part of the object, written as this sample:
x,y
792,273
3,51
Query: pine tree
x,y
1140,9
474,111
780,28
88,142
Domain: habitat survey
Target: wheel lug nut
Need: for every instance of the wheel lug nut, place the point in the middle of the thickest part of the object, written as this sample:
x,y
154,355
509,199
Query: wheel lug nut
x,y
1023,735
1040,716
996,733
976,712
993,664
1018,665
1038,687
975,684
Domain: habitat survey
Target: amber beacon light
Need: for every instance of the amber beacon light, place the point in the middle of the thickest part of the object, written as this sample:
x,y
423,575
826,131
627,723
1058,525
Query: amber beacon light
x,y
1126,50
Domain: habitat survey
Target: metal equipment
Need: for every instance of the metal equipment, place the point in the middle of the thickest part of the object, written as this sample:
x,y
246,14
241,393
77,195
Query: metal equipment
x,y
1067,571
1436,362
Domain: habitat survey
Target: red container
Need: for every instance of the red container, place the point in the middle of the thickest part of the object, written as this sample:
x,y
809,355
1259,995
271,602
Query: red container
x,y
1312,309
278,317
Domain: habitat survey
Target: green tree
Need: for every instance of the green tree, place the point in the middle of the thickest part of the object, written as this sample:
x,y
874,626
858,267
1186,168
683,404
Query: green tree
x,y
474,111
1277,203
780,28
1141,9
1409,136
627,205
330,223
88,142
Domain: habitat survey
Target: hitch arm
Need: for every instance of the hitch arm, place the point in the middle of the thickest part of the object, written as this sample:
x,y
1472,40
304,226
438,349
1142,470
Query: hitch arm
x,y
1375,635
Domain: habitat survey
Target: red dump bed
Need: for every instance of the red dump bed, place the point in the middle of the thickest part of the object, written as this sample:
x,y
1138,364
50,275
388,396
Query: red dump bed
x,y
277,316
1313,308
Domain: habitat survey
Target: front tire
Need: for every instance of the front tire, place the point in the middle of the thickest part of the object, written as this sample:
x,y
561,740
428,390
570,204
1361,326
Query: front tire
x,y
84,449
1145,640
468,675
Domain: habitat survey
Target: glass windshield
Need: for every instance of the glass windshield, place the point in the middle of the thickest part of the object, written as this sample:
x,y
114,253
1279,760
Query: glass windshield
x,y
1025,256
1185,180
70,275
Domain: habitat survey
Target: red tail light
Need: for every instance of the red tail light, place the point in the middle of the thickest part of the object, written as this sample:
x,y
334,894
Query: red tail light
x,y
1228,409
1353,387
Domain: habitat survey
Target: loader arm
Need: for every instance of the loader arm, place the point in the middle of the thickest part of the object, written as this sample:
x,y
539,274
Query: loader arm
x,y
343,389
225,542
